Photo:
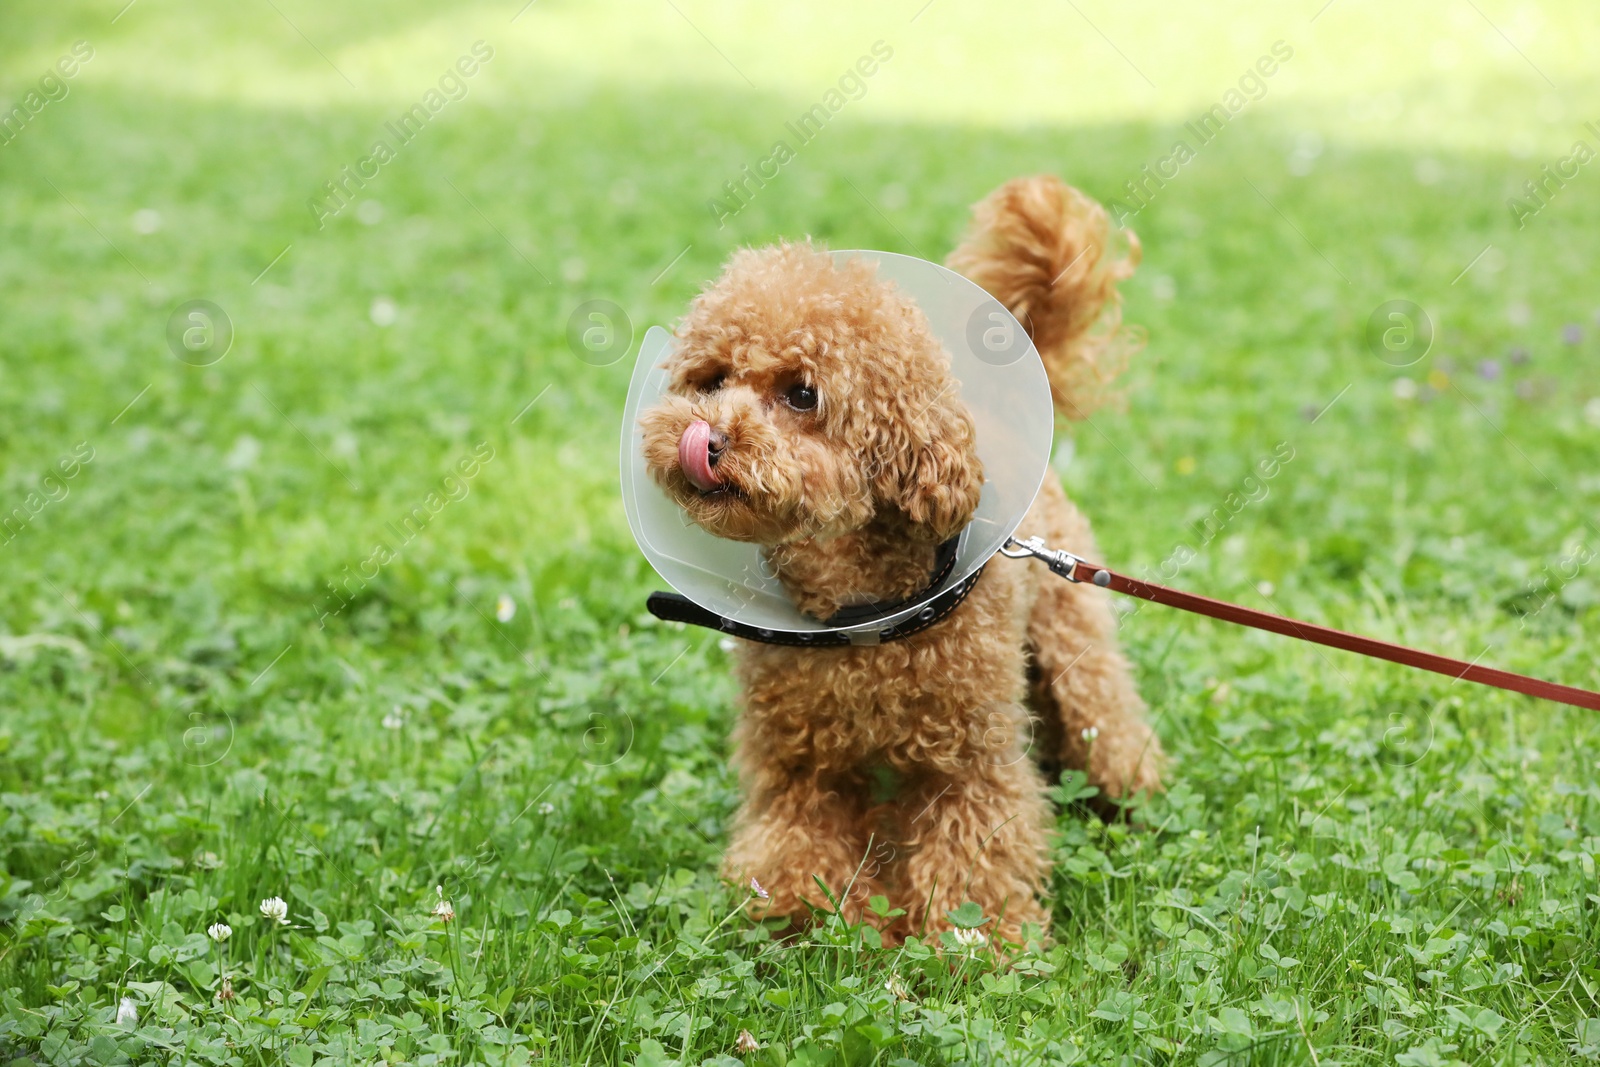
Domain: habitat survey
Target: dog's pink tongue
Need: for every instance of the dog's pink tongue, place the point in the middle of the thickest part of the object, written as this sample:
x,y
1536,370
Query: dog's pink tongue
x,y
694,456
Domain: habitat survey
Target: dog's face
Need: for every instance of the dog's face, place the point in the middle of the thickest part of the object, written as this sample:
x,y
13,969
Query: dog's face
x,y
807,400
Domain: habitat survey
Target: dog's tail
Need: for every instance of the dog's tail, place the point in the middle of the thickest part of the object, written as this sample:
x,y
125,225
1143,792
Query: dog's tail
x,y
1044,250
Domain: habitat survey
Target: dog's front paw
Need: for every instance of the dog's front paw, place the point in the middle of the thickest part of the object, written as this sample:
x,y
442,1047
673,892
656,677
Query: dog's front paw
x,y
1127,763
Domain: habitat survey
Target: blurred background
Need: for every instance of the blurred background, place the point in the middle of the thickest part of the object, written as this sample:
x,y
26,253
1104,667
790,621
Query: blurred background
x,y
380,331
329,311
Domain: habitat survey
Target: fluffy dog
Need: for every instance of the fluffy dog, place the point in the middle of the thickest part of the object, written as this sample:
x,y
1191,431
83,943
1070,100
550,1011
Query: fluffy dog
x,y
812,412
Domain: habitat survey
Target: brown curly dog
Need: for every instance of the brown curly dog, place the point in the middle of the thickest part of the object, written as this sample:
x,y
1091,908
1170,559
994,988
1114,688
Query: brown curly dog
x,y
812,412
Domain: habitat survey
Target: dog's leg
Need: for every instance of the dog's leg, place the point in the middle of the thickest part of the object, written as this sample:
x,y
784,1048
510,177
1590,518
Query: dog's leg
x,y
1089,686
797,829
979,835
1082,677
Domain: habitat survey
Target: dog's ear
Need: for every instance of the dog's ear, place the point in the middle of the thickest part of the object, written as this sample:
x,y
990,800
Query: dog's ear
x,y
934,476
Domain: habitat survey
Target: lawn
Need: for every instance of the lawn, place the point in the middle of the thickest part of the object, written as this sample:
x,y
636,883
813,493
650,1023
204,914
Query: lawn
x,y
326,595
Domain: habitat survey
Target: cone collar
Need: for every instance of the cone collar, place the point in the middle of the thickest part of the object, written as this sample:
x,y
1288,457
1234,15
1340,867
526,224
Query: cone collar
x,y
1003,384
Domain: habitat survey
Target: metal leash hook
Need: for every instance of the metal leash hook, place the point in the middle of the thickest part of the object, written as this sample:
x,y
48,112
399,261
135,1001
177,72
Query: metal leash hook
x,y
1060,562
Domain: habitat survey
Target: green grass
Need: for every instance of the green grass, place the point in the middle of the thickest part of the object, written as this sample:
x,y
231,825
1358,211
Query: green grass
x,y
1355,863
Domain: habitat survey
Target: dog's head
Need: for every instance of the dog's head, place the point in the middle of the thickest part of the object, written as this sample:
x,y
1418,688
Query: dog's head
x,y
808,399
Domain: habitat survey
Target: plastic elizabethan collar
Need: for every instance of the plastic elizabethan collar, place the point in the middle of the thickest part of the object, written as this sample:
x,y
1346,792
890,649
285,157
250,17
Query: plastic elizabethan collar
x,y
1002,382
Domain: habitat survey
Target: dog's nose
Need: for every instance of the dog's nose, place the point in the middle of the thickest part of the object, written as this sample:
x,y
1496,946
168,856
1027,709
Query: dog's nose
x,y
699,450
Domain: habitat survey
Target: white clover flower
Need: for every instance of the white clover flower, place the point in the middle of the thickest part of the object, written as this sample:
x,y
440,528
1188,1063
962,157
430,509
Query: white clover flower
x,y
970,938
755,887
394,720
383,311
746,1043
444,911
505,609
1089,734
275,909
226,992
127,1012
219,932
547,808
896,988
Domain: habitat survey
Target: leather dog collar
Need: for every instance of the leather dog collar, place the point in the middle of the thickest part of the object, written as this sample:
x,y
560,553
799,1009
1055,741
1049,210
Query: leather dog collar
x,y
672,607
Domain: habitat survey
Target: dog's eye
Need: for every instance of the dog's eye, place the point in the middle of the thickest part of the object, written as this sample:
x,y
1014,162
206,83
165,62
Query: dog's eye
x,y
801,397
713,383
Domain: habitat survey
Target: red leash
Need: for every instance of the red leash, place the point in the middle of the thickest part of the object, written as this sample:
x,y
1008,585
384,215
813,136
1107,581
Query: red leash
x,y
1071,567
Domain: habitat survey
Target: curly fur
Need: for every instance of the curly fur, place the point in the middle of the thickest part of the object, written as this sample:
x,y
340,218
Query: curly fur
x,y
1042,248
907,769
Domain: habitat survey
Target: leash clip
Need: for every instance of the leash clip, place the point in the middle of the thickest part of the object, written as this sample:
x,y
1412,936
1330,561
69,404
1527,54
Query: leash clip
x,y
1061,563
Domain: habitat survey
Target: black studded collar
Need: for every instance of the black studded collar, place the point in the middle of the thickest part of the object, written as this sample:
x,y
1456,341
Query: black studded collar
x,y
852,625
